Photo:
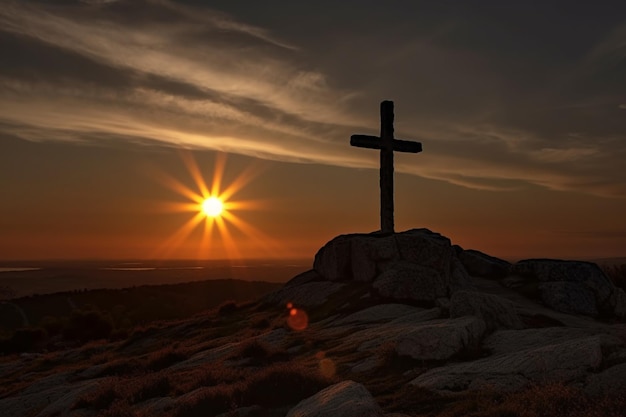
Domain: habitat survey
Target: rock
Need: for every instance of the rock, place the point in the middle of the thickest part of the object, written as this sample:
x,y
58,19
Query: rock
x,y
441,339
618,301
586,274
344,399
354,257
426,248
562,362
609,381
304,278
509,341
377,313
306,295
407,281
569,297
495,311
459,278
483,265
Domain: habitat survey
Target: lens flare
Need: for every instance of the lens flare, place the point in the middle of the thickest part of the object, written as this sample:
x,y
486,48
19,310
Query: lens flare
x,y
298,319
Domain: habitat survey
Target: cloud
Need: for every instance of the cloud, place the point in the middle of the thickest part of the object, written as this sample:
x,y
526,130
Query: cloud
x,y
151,71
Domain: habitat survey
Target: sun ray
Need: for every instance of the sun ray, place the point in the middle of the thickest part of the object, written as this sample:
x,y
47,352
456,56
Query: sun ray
x,y
241,181
180,235
256,204
215,208
229,243
194,171
205,243
178,187
218,174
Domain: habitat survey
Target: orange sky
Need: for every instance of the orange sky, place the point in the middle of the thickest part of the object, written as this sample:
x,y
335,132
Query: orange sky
x,y
86,202
520,110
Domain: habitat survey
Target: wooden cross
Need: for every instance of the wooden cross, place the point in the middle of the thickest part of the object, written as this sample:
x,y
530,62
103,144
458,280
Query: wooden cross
x,y
387,144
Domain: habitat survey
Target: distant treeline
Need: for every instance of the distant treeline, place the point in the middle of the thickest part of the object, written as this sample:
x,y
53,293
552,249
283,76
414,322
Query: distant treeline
x,y
82,315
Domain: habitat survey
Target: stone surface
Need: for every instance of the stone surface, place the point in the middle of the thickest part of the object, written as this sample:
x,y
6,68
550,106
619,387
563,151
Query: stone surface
x,y
426,248
441,339
377,313
611,380
304,278
354,257
459,277
585,274
306,295
569,297
344,399
407,281
618,301
563,362
495,311
483,265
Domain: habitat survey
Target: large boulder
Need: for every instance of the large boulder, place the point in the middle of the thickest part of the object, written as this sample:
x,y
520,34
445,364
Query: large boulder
x,y
610,380
362,257
569,297
441,339
344,399
426,248
563,362
354,257
495,311
483,265
572,282
411,282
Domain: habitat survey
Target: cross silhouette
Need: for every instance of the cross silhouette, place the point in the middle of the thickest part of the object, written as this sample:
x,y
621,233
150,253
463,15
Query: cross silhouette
x,y
387,144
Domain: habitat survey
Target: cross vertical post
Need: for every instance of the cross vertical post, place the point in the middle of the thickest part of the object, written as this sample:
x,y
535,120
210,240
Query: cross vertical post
x,y
387,144
386,167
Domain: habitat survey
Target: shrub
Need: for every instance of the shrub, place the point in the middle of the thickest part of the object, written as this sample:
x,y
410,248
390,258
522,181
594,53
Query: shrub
x,y
53,325
147,386
100,398
87,325
208,402
282,384
24,340
164,358
227,307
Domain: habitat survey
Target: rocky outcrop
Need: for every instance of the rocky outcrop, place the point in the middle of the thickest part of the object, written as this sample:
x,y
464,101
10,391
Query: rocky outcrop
x,y
495,311
344,399
563,362
411,282
570,286
388,260
441,339
611,380
482,265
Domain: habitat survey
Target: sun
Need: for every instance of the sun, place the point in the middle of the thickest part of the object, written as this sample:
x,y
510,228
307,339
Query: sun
x,y
212,207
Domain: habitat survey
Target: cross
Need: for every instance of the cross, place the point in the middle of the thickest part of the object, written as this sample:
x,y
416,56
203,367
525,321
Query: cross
x,y
387,144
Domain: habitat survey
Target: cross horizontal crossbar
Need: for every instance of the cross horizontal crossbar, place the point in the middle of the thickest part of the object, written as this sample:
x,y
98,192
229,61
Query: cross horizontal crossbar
x,y
374,142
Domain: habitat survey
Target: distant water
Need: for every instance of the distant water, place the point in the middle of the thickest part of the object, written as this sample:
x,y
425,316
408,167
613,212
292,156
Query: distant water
x,y
14,269
57,276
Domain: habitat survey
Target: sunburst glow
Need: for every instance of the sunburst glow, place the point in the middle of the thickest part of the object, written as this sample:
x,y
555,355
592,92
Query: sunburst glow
x,y
213,206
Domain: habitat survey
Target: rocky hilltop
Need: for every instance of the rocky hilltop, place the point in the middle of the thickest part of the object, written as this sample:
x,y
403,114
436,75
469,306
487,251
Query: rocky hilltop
x,y
383,325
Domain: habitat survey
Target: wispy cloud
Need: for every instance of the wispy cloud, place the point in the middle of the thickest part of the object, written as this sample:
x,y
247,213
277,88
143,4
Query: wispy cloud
x,y
157,71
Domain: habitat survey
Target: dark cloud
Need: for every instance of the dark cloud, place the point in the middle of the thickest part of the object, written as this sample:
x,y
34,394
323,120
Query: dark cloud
x,y
503,95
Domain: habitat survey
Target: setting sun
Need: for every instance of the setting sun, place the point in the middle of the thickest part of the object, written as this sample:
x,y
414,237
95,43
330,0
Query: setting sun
x,y
212,206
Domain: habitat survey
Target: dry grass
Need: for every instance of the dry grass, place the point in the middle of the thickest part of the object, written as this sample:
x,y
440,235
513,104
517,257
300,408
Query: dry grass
x,y
275,385
165,358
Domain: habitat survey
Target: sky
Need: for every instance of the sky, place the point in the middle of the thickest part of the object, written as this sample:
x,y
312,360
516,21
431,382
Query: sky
x,y
112,111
